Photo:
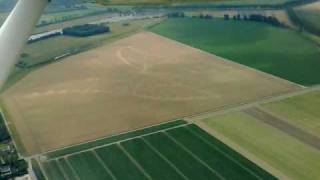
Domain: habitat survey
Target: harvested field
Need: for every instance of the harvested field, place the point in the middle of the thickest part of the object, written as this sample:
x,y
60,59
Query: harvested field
x,y
158,155
136,82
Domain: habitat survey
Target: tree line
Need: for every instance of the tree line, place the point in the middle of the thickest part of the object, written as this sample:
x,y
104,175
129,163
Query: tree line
x,y
257,18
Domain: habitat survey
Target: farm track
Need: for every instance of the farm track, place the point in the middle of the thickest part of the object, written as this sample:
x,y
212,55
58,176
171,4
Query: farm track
x,y
284,126
241,107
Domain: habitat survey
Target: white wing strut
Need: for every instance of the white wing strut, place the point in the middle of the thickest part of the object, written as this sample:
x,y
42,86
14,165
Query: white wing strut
x,y
15,32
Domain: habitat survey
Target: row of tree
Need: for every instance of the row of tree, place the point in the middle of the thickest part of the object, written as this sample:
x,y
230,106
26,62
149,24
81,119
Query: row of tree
x,y
86,30
257,18
182,15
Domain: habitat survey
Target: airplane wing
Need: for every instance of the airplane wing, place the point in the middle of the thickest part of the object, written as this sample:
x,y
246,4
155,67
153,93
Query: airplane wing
x,y
15,32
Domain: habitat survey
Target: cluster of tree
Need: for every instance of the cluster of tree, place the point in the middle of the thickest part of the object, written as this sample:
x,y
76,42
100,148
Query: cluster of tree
x,y
176,15
18,167
205,16
85,30
302,24
257,18
4,134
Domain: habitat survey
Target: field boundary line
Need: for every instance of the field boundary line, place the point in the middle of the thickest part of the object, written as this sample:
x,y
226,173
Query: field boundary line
x,y
113,143
165,159
224,154
113,135
134,161
193,155
285,127
100,161
62,170
245,105
72,169
219,58
287,120
236,147
42,169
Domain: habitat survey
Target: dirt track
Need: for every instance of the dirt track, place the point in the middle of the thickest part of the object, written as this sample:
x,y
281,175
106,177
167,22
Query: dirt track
x,y
284,126
138,81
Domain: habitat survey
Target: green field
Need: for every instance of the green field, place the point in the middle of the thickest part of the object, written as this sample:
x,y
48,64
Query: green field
x,y
278,51
176,150
284,153
302,111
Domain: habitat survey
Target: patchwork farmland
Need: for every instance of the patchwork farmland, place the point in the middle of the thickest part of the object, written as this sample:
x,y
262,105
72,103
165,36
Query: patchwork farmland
x,y
138,81
278,51
176,150
279,135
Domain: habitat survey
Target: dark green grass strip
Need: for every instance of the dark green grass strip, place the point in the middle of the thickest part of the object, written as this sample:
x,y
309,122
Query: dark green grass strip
x,y
52,170
88,167
152,163
215,159
64,165
37,170
238,157
187,164
119,164
113,139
